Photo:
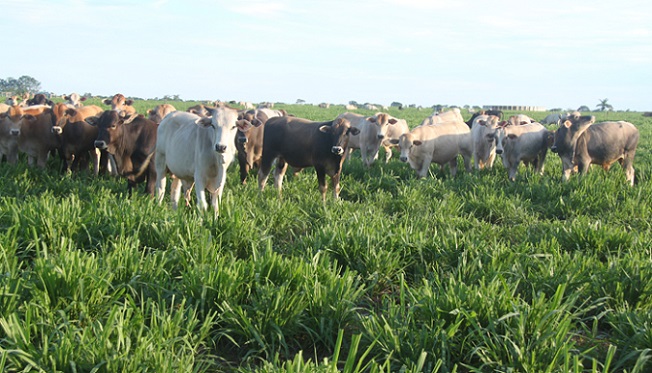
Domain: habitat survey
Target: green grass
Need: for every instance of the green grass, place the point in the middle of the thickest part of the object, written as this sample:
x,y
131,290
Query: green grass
x,y
467,274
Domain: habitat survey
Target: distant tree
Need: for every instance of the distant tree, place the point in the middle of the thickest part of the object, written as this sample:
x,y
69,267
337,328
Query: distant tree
x,y
396,104
604,105
354,103
583,108
24,84
438,107
87,94
300,101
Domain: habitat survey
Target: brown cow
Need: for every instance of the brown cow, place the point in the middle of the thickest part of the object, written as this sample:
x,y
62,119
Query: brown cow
x,y
32,132
159,112
581,143
131,139
120,103
301,143
250,143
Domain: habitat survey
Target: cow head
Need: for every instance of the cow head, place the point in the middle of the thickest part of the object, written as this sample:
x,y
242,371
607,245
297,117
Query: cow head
x,y
225,124
61,114
382,121
405,143
504,139
565,140
491,125
118,102
13,119
339,133
110,125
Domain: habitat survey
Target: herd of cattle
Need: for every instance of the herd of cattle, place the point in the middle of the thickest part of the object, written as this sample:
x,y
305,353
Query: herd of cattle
x,y
196,147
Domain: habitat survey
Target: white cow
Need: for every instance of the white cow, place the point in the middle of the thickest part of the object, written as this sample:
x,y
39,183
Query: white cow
x,y
74,100
483,133
350,107
450,115
197,149
373,131
528,143
394,133
518,120
440,143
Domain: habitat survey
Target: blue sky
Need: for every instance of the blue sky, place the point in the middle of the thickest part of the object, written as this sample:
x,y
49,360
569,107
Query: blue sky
x,y
541,53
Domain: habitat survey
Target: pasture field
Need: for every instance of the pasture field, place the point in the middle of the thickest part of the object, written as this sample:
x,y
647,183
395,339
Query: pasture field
x,y
467,274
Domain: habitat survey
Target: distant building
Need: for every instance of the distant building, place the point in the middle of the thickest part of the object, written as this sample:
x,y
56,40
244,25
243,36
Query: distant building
x,y
514,107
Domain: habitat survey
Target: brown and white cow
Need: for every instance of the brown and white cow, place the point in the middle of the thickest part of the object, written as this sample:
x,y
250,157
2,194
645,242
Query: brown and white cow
x,y
394,133
131,139
250,143
483,134
373,130
197,149
159,112
74,100
120,103
440,143
302,143
527,143
200,109
10,122
579,142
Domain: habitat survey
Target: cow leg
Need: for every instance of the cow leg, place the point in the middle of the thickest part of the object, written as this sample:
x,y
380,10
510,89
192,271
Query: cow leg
x,y
425,166
95,156
244,168
453,166
200,189
467,162
216,193
279,173
263,171
490,161
321,179
161,177
388,153
187,191
175,191
628,165
335,183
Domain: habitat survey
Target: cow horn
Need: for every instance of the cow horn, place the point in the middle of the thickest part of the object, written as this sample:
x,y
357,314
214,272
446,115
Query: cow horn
x,y
130,118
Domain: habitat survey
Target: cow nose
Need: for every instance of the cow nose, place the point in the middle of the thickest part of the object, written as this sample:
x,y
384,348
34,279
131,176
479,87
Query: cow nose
x,y
14,132
499,151
403,159
381,136
100,144
57,130
337,150
553,149
242,140
220,148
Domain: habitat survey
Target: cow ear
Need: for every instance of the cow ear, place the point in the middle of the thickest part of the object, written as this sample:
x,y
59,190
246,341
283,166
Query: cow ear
x,y
243,125
92,120
106,101
82,99
205,122
129,102
392,121
372,119
482,122
417,142
71,112
353,131
29,117
325,129
257,122
150,111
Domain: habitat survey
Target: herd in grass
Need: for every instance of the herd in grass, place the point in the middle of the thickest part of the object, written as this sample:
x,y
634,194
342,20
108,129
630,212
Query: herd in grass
x,y
196,147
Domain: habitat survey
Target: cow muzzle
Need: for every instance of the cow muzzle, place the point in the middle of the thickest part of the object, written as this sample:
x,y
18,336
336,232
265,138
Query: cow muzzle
x,y
100,144
57,130
403,158
242,140
14,132
553,149
337,150
220,148
381,136
499,151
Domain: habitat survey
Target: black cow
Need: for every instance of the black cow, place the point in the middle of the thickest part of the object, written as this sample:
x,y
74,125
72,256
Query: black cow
x,y
131,139
301,143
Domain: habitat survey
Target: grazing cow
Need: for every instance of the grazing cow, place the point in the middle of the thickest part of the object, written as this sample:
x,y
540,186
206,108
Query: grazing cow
x,y
74,100
440,143
131,139
394,133
120,103
373,131
246,105
159,112
483,133
324,105
350,107
265,105
370,107
197,149
78,137
301,143
39,99
528,143
250,143
581,143
450,115
554,118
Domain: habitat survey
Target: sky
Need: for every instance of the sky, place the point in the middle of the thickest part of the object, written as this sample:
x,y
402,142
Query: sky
x,y
555,54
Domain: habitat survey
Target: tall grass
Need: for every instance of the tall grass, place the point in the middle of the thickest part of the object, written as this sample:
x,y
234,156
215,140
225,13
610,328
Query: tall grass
x,y
471,273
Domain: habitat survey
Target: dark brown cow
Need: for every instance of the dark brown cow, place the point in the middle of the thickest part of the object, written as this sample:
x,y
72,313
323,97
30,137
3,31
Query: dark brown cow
x,y
301,143
580,143
250,144
131,139
120,103
39,99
